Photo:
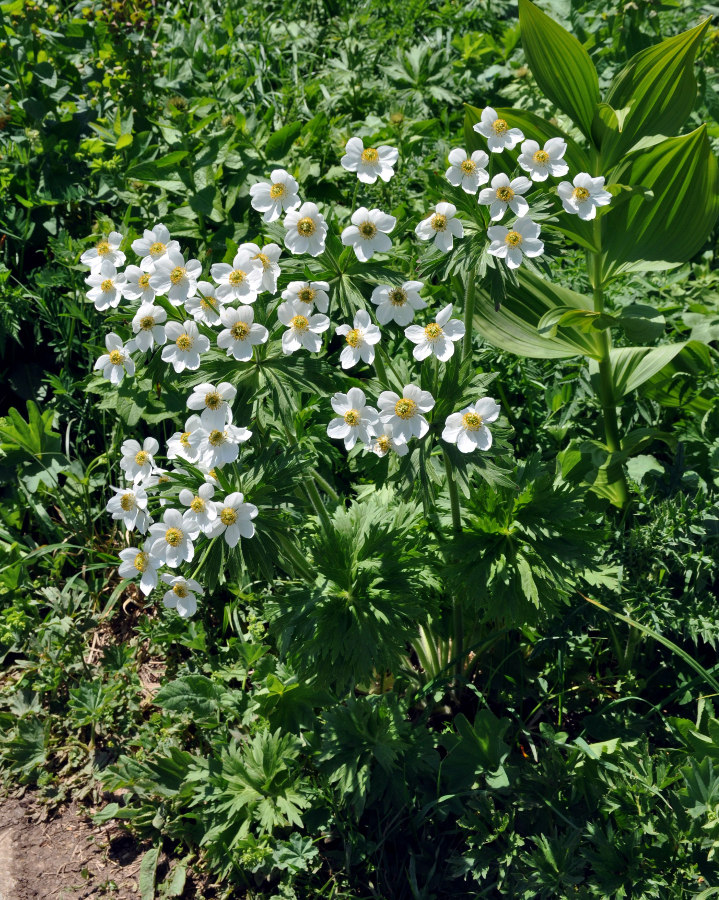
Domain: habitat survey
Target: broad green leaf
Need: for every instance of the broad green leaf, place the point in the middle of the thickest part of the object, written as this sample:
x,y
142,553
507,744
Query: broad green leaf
x,y
194,694
675,385
657,89
146,877
280,142
560,65
514,326
632,366
682,174
641,323
584,319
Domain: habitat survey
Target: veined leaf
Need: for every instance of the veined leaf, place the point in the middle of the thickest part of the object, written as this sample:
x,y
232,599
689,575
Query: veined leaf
x,y
280,142
514,326
682,174
560,65
657,88
632,366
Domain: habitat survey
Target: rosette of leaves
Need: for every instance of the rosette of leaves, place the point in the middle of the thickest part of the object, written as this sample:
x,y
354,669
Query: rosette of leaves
x,y
374,583
522,551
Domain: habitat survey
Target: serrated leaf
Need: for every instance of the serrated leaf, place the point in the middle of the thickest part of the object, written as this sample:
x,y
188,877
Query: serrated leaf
x,y
194,694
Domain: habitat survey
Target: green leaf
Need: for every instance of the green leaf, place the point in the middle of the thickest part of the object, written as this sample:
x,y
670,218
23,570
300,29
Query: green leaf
x,y
146,878
194,694
514,326
560,65
656,91
682,174
632,366
280,142
675,385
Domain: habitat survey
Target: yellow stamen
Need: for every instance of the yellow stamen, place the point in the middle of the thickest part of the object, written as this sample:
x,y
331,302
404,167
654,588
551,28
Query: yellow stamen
x,y
184,342
299,323
500,126
264,259
228,516
277,190
433,331
405,408
157,249
144,280
173,536
237,277
383,443
147,323
370,155
306,227
142,458
127,502
103,248
180,590
505,194
216,438
185,438
438,222
306,294
514,238
541,157
352,417
367,230
240,330
213,400
468,167
580,194
141,561
472,421
107,285
354,337
177,274
116,358
197,505
397,296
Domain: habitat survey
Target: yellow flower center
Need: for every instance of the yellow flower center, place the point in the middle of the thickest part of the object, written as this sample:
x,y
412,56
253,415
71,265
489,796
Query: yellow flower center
x,y
144,280
103,248
141,561
157,249
352,417
405,408
472,421
306,226
433,331
116,357
505,194
185,438
306,295
468,167
197,505
438,222
147,323
580,194
212,474
184,342
264,259
541,157
397,296
367,230
237,277
127,502
299,323
240,330
500,126
228,516
370,155
173,536
107,285
383,443
216,438
142,458
180,590
354,337
514,238
213,400
277,190
177,274
207,303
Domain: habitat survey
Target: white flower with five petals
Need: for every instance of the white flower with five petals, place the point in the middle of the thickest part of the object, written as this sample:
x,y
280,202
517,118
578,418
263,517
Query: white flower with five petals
x,y
370,163
147,324
106,286
504,194
129,505
405,413
522,239
542,162
154,244
175,278
467,171
240,281
275,197
241,333
442,226
438,337
182,595
398,303
186,347
382,444
303,330
306,230
310,293
218,446
204,306
356,421
497,131
170,540
584,196
201,511
234,519
117,362
214,403
108,249
136,561
360,340
268,257
137,286
468,428
369,233
138,461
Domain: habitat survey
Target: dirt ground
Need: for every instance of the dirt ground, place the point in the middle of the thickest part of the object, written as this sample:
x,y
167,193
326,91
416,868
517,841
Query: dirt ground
x,y
66,857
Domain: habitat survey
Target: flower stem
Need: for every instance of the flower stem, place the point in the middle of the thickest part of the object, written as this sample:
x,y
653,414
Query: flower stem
x,y
453,494
457,614
379,367
468,315
314,497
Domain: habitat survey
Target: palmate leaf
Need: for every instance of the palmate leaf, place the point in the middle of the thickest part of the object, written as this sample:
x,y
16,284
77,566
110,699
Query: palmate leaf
x,y
560,65
682,174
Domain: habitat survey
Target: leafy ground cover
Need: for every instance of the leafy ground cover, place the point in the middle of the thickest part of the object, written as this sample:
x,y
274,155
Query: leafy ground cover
x,y
420,678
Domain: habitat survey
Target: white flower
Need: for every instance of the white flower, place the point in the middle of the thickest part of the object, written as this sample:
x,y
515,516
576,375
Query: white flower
x,y
241,333
398,304
381,444
147,325
117,361
510,244
218,446
137,286
306,230
498,133
140,562
204,306
467,172
276,197
584,196
437,338
154,244
188,343
181,595
303,330
240,281
371,162
107,250
137,461
201,511
234,519
171,542
468,429
404,414
175,277
215,403
311,293
541,163
368,233
360,340
357,420
442,226
505,193
268,257
106,285
179,446
130,506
